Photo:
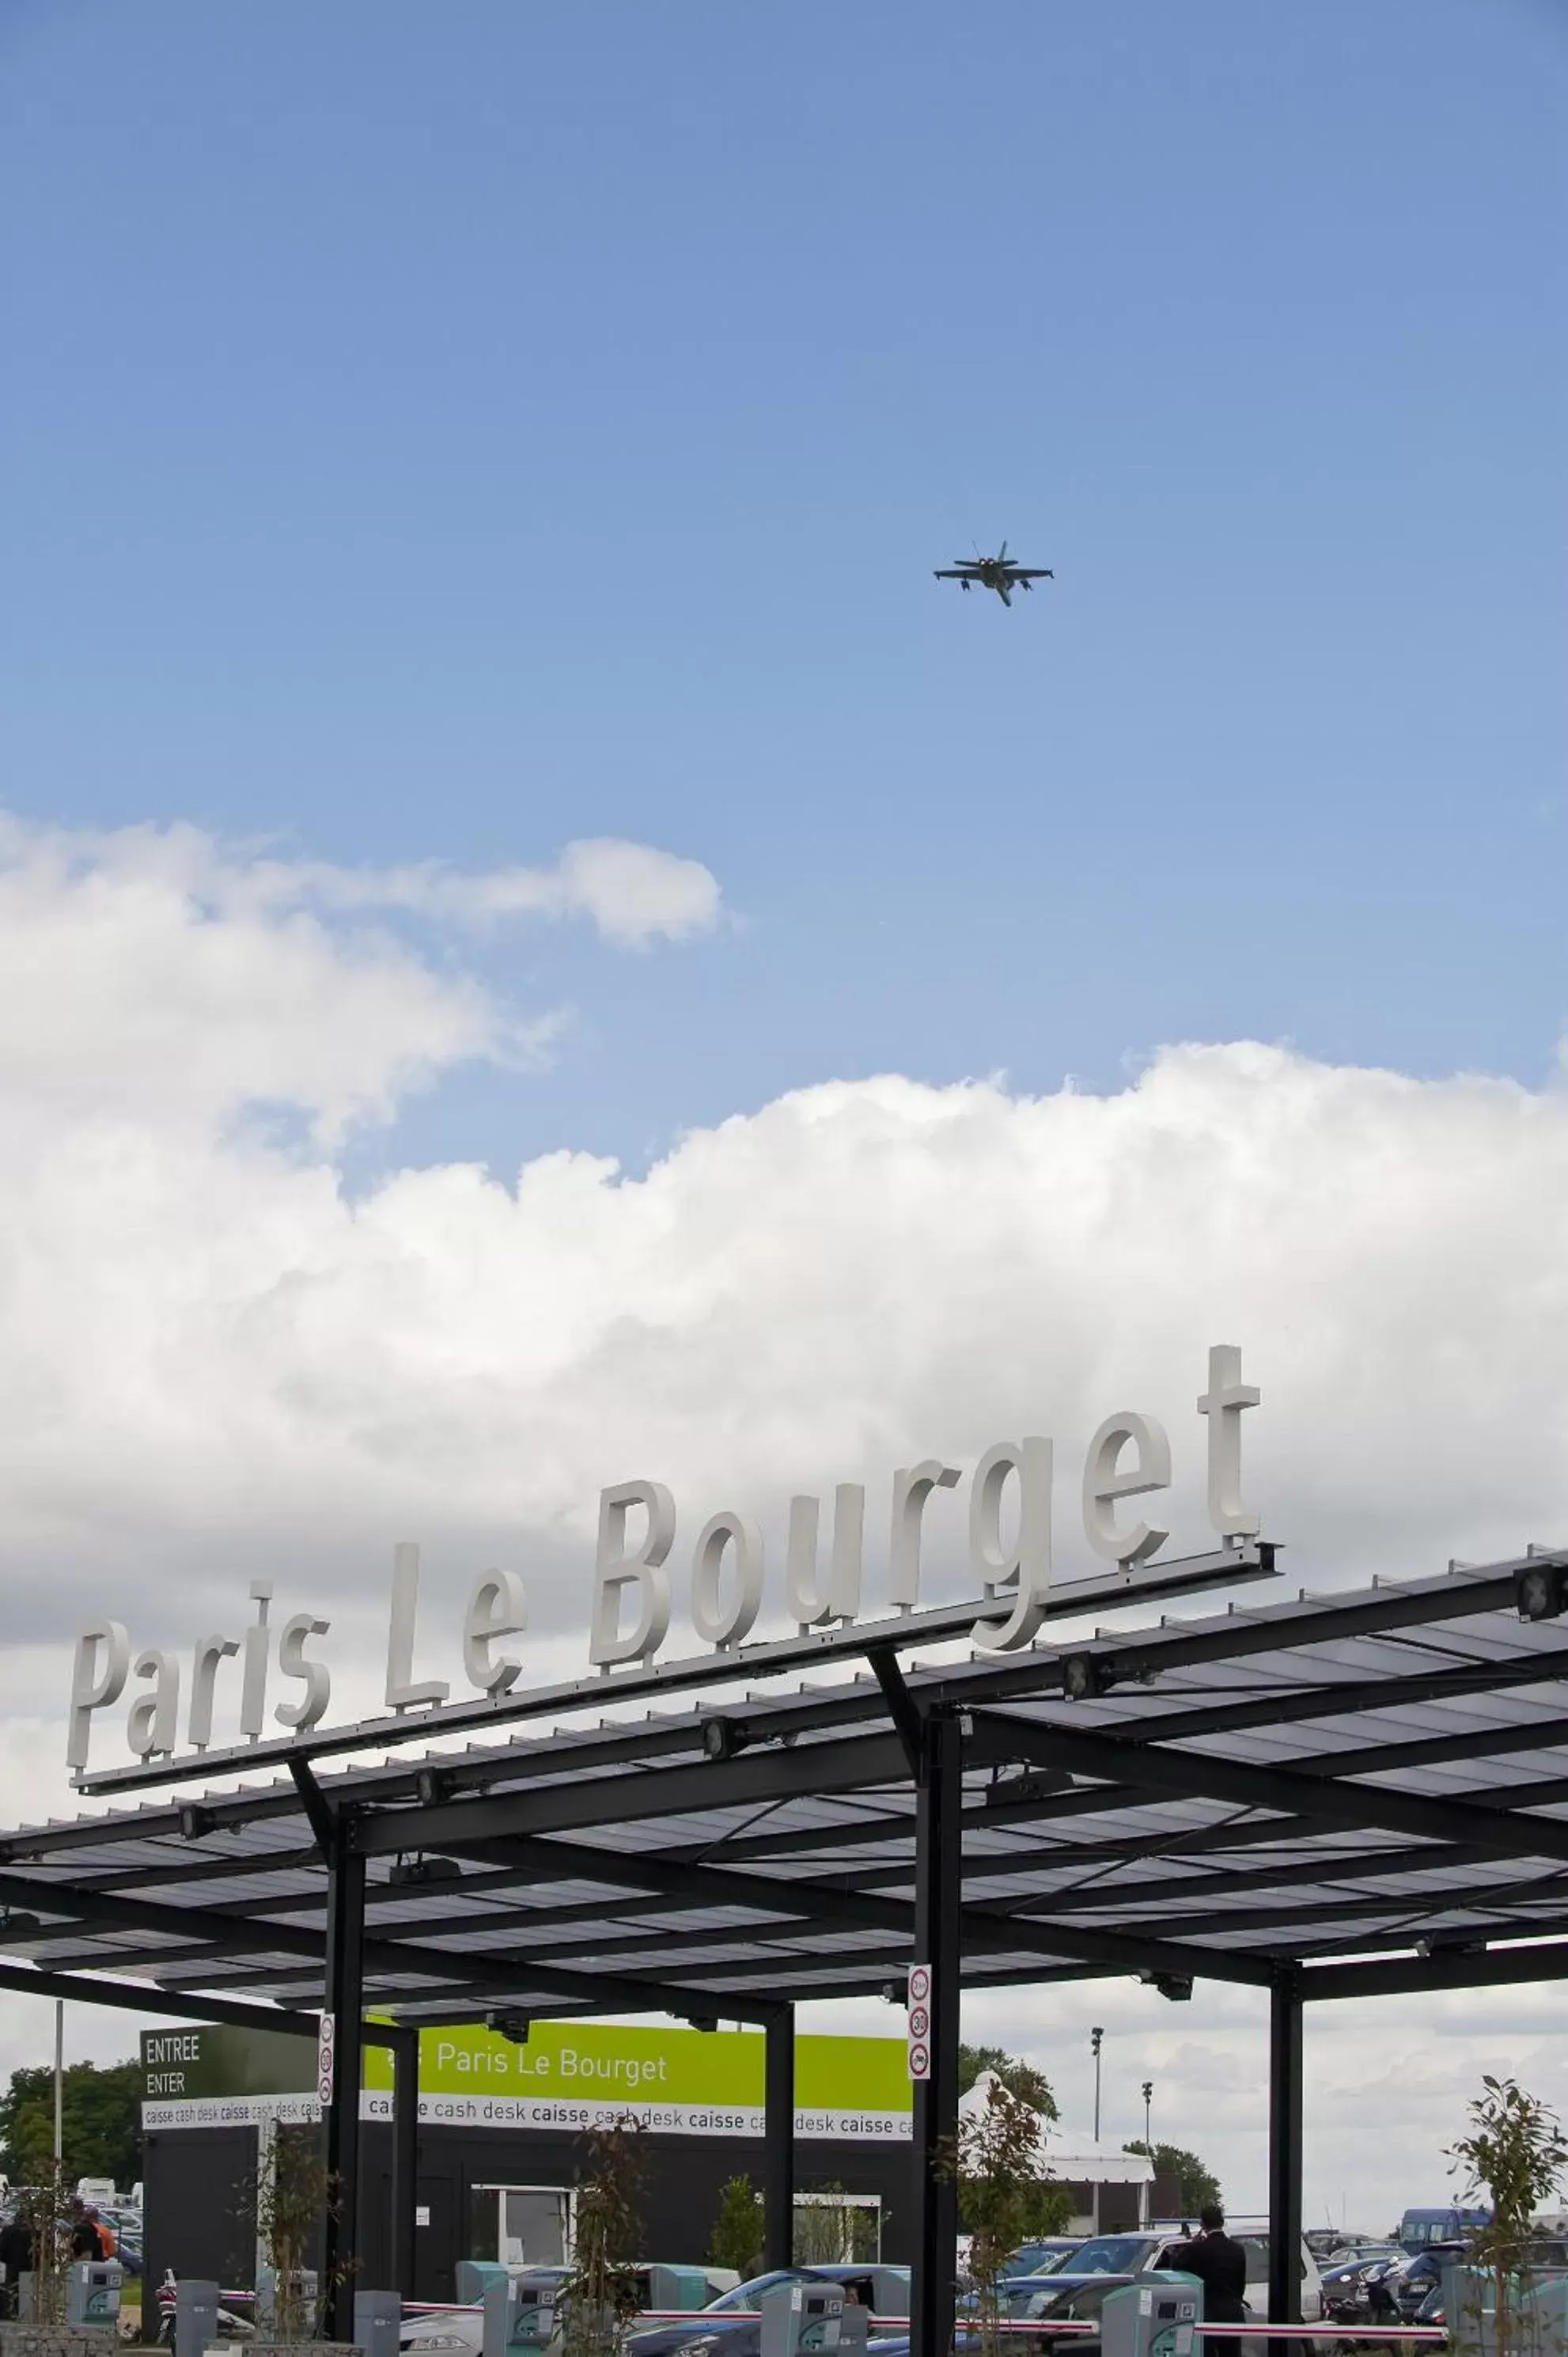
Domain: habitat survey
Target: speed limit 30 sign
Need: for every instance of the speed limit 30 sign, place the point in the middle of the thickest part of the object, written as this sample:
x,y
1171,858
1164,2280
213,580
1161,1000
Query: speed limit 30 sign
x,y
919,2005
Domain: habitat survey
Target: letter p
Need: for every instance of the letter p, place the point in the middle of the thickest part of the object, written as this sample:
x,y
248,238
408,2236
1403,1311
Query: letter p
x,y
98,1678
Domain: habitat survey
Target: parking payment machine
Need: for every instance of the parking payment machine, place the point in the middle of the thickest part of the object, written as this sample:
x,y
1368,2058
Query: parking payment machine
x,y
520,2312
1158,2316
801,2318
92,2295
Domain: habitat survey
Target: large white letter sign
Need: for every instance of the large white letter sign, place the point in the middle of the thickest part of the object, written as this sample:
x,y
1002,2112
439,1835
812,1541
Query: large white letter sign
x,y
95,1681
1024,1569
210,1652
254,1665
154,1721
715,1621
808,1604
403,1690
293,1663
1222,1403
911,1488
1102,1485
497,1608
615,1569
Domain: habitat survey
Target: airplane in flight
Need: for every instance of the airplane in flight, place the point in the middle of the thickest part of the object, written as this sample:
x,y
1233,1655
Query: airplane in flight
x,y
1002,573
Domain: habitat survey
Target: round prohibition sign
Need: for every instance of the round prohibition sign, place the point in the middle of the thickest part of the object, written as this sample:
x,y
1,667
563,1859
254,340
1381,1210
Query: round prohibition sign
x,y
919,2021
919,1984
920,2060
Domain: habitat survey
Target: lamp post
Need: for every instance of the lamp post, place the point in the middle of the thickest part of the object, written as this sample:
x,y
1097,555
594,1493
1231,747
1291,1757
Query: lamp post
x,y
1148,2101
1096,2038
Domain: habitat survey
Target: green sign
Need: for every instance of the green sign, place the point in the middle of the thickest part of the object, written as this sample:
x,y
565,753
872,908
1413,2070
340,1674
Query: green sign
x,y
569,2075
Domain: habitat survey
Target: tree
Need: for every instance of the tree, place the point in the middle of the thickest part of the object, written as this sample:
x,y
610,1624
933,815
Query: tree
x,y
603,2295
284,2204
1516,2151
998,2161
736,2238
1019,2078
1199,2185
101,2122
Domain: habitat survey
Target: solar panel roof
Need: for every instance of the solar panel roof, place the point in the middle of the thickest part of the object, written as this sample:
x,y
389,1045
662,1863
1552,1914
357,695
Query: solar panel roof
x,y
1370,1789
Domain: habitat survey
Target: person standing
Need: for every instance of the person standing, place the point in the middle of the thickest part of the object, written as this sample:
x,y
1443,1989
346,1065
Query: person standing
x,y
15,2260
1220,2263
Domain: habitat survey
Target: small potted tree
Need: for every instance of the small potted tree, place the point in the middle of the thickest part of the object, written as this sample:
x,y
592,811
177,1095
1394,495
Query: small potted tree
x,y
1515,2153
288,2203
603,2293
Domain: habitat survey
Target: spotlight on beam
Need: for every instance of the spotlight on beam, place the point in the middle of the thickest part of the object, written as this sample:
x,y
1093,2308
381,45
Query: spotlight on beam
x,y
507,2021
413,1873
1176,1987
722,1737
1026,1784
194,1820
1084,1675
1451,1943
1541,1591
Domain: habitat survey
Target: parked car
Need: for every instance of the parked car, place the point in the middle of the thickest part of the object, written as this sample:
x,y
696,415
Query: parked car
x,y
718,2330
1044,2257
724,2325
1134,2254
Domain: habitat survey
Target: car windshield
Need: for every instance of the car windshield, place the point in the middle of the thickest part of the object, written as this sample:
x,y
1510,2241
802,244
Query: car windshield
x,y
746,2295
1066,2300
1110,2254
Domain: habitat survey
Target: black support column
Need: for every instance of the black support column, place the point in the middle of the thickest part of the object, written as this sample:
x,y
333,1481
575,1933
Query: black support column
x,y
405,2156
938,1889
1284,2154
778,2142
343,2000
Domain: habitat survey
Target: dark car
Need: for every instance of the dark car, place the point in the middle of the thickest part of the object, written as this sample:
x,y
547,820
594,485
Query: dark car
x,y
722,2329
1046,2300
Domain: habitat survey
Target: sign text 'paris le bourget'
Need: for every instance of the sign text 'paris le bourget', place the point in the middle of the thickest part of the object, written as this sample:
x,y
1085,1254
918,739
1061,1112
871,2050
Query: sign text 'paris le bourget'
x,y
1129,1456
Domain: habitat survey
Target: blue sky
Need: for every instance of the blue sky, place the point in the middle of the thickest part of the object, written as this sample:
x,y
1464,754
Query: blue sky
x,y
447,432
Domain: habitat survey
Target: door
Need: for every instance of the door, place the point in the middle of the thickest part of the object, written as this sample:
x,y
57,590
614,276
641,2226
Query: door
x,y
436,2252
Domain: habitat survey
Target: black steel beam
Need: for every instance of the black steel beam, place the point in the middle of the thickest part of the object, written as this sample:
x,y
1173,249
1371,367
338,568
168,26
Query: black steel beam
x,y
342,2009
1285,2076
1448,1969
132,1997
778,2142
934,2126
755,1778
319,1813
404,2044
1254,1784
902,1707
258,1936
823,1906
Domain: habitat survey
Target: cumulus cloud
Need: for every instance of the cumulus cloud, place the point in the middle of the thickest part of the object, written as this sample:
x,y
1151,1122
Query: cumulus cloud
x,y
217,1360
161,976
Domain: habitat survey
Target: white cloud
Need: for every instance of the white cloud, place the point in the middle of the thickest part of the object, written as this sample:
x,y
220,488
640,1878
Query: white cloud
x,y
159,976
632,893
215,1360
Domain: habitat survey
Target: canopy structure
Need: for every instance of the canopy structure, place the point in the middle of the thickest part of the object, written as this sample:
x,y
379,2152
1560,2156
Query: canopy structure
x,y
1339,1795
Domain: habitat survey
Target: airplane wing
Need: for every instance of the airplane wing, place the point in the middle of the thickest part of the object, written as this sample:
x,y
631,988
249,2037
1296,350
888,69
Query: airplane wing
x,y
947,575
1043,574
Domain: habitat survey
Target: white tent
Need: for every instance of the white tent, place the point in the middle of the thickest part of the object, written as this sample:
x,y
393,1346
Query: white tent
x,y
1072,2159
